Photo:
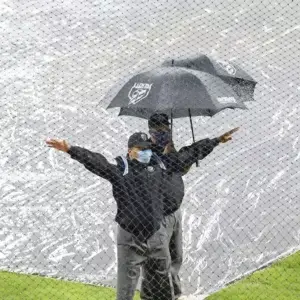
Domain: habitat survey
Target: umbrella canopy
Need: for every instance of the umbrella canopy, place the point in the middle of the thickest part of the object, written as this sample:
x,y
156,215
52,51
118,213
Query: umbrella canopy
x,y
176,91
232,74
182,91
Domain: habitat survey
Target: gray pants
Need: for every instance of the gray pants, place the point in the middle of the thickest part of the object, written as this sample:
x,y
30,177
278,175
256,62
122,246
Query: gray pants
x,y
154,256
173,225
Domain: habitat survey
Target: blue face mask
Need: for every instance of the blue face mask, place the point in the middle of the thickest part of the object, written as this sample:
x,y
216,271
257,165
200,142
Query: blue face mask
x,y
144,156
162,138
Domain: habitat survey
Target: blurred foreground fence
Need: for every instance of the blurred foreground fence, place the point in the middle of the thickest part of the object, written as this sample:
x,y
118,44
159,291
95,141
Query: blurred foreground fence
x,y
59,59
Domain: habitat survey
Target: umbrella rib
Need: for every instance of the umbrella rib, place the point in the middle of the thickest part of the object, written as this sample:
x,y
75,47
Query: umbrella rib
x,y
192,127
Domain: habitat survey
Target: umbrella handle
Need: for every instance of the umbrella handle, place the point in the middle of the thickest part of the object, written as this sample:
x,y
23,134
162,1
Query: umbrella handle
x,y
171,124
197,163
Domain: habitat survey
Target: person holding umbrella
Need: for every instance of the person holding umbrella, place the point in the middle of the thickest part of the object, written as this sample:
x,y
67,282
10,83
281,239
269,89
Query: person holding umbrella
x,y
162,144
138,183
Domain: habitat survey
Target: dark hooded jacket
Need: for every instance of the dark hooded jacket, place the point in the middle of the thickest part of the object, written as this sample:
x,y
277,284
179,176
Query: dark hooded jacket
x,y
138,189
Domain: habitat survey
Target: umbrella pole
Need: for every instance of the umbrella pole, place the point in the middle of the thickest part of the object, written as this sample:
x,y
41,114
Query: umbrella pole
x,y
191,121
172,114
171,125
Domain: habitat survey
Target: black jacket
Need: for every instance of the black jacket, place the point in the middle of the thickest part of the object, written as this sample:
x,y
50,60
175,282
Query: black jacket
x,y
139,193
173,191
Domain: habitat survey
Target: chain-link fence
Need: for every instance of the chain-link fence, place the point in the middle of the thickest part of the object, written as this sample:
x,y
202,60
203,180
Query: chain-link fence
x,y
58,61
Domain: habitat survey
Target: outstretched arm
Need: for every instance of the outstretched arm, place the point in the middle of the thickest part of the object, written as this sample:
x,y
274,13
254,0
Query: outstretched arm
x,y
94,162
197,151
188,155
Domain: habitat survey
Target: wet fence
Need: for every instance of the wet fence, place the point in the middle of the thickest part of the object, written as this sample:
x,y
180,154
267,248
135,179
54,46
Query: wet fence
x,y
58,61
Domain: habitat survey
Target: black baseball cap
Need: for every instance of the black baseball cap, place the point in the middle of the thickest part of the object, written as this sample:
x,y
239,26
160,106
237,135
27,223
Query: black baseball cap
x,y
139,139
158,120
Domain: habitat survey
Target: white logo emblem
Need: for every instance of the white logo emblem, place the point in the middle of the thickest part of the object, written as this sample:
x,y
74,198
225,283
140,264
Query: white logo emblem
x,y
139,92
229,68
150,169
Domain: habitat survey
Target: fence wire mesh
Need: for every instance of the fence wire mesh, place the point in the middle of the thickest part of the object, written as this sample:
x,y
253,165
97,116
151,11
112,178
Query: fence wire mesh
x,y
241,205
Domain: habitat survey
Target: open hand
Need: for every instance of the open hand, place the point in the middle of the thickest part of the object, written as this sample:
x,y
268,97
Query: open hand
x,y
227,136
60,145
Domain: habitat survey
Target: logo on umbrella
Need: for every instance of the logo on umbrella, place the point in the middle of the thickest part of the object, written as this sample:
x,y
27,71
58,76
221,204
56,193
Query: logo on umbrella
x,y
226,100
229,68
138,92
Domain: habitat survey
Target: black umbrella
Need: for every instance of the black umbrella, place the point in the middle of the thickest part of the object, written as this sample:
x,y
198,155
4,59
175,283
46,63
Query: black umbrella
x,y
176,91
242,83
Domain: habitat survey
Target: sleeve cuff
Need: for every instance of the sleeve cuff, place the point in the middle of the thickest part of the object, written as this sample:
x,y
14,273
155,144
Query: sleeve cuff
x,y
216,141
71,150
